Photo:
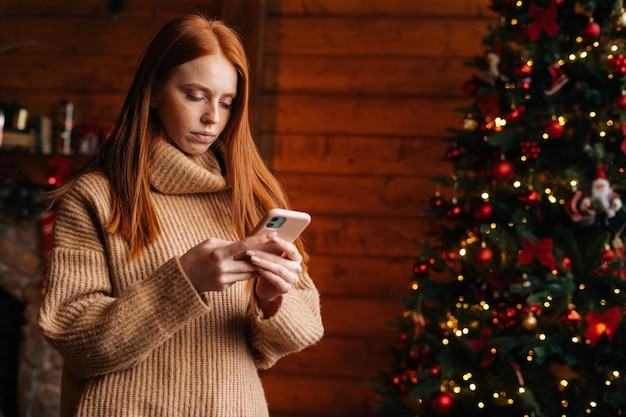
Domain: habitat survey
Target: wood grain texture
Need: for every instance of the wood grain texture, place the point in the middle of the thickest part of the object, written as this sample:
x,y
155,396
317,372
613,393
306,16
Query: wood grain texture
x,y
421,8
356,97
375,36
362,116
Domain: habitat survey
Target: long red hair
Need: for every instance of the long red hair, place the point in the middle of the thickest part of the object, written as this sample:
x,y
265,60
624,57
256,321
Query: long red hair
x,y
124,157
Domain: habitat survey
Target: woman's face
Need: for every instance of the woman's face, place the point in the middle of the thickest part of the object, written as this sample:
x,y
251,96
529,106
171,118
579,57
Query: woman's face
x,y
194,103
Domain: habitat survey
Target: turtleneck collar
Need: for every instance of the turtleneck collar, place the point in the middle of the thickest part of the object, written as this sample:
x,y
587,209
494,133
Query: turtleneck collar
x,y
173,172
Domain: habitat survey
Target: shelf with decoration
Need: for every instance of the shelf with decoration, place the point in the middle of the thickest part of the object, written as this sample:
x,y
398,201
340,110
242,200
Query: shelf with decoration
x,y
38,154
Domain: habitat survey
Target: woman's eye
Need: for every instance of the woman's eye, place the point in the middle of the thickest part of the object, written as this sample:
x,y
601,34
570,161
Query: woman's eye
x,y
194,98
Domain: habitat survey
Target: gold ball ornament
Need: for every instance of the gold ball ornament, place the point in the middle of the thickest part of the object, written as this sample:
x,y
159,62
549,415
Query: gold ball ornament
x,y
529,322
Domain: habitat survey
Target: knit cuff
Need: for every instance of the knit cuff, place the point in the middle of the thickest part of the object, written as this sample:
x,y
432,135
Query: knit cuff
x,y
177,301
295,326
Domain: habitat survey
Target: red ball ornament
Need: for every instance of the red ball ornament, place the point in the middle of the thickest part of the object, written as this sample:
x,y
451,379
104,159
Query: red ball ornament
x,y
567,263
592,31
454,211
436,201
621,101
454,152
569,318
554,129
441,403
484,256
617,64
503,171
483,211
601,270
531,198
420,269
523,71
607,255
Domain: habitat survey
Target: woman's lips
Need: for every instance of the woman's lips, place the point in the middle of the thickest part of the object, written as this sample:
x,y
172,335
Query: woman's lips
x,y
205,137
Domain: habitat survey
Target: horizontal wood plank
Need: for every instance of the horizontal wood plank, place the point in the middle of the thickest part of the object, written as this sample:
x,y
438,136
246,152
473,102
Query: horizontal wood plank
x,y
365,196
376,37
378,76
362,318
358,155
99,8
69,73
81,36
342,357
359,235
298,114
315,397
358,276
403,8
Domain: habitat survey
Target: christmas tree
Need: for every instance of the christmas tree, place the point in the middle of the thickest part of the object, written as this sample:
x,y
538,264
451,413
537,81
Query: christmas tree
x,y
517,297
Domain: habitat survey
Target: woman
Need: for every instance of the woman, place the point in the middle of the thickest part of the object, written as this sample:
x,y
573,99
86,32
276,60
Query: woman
x,y
158,302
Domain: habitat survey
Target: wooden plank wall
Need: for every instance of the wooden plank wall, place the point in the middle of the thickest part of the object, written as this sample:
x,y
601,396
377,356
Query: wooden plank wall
x,y
356,95
52,50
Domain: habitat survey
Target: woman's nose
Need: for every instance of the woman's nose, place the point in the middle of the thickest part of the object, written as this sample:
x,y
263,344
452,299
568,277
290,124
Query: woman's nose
x,y
210,115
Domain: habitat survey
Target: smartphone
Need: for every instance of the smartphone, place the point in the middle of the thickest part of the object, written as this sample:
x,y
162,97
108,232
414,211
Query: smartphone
x,y
289,224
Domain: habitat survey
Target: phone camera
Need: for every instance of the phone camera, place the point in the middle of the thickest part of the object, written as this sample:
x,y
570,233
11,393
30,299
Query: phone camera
x,y
275,222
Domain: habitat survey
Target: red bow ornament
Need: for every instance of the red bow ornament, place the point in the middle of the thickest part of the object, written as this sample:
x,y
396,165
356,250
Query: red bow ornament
x,y
543,20
542,250
605,323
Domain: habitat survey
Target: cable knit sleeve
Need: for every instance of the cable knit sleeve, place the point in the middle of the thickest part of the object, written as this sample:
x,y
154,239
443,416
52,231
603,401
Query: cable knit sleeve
x,y
296,325
97,325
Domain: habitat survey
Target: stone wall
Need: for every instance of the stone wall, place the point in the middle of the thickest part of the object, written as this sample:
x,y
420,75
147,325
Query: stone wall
x,y
22,267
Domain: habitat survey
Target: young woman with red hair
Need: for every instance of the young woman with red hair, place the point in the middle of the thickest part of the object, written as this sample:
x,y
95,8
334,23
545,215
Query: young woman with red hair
x,y
158,301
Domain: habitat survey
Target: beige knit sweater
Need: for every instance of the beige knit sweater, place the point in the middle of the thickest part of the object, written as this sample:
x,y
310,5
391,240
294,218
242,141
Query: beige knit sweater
x,y
136,338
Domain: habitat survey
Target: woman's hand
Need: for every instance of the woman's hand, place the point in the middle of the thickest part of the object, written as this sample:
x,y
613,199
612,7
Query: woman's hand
x,y
277,274
216,264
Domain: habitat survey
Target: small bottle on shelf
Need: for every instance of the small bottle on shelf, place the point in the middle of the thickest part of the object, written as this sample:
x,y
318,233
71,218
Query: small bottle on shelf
x,y
64,125
88,138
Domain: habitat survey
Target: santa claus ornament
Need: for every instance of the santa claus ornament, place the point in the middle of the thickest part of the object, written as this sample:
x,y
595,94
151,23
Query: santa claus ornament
x,y
598,206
